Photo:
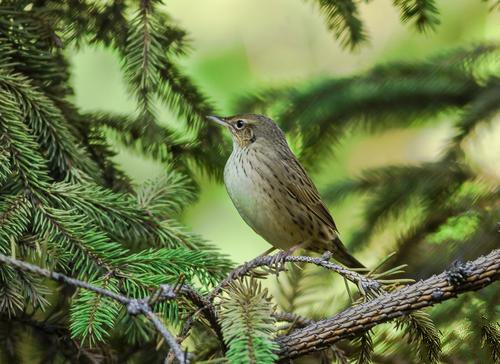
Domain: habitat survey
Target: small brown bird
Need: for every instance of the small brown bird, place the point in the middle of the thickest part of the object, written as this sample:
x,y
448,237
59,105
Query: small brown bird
x,y
273,193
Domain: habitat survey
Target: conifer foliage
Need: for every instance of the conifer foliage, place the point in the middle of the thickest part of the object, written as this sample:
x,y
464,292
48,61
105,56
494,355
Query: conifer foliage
x,y
65,205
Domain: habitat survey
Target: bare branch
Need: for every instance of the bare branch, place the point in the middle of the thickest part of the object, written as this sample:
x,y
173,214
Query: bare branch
x,y
293,318
364,283
355,320
205,307
133,306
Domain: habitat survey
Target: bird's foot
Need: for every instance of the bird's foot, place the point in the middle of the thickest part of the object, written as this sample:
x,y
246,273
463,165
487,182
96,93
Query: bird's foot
x,y
327,256
279,259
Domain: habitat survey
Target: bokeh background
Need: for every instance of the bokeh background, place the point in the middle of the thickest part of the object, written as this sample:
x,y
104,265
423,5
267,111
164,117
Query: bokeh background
x,y
241,46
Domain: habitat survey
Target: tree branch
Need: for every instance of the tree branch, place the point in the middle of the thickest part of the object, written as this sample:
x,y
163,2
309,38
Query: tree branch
x,y
355,320
133,306
363,283
205,307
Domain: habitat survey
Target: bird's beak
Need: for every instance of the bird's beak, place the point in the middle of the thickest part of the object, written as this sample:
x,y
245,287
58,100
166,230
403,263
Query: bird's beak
x,y
219,120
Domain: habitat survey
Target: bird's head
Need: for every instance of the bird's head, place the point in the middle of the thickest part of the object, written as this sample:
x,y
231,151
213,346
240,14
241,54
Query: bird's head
x,y
248,129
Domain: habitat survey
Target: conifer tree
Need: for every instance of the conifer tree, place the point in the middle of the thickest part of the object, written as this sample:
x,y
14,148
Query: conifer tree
x,y
96,269
66,205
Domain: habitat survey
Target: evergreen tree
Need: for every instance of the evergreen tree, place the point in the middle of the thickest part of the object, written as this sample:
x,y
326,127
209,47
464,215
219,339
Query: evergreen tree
x,y
66,206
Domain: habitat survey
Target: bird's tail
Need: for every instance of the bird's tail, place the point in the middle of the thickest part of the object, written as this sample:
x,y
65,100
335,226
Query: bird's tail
x,y
341,254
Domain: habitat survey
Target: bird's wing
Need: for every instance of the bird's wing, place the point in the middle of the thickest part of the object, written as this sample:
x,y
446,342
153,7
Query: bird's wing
x,y
302,188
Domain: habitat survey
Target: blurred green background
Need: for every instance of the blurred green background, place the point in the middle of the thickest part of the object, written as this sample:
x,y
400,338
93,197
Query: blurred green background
x,y
240,46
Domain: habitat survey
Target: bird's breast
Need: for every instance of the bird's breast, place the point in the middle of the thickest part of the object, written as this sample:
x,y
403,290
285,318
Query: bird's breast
x,y
253,190
242,184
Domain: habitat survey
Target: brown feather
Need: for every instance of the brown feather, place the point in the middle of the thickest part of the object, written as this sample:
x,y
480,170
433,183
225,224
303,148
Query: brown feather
x,y
302,188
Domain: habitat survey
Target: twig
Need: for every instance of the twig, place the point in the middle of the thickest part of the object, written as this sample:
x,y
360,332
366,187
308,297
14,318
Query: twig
x,y
134,306
358,319
364,283
205,307
293,318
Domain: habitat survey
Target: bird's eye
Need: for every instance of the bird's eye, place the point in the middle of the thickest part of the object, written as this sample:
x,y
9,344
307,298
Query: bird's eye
x,y
240,124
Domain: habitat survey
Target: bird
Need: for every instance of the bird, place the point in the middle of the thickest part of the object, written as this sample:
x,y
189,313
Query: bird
x,y
273,193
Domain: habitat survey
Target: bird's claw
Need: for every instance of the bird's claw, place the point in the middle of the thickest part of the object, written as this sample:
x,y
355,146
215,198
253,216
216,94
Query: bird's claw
x,y
327,256
279,260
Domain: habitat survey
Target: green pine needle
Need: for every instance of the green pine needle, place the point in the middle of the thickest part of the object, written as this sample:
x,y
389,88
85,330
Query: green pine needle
x,y
93,316
247,323
365,348
422,336
342,18
490,338
423,13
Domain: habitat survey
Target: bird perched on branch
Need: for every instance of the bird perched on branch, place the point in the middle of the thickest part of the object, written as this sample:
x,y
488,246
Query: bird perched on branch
x,y
273,193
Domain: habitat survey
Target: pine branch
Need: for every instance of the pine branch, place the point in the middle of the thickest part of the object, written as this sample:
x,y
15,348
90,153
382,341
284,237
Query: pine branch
x,y
425,178
26,161
491,337
365,285
365,350
151,72
32,38
204,306
49,126
181,94
134,306
482,109
142,58
92,315
422,335
294,285
462,278
147,51
166,196
470,198
247,323
15,215
427,186
423,13
10,292
342,18
121,217
158,142
104,155
89,22
75,243
292,318
5,167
